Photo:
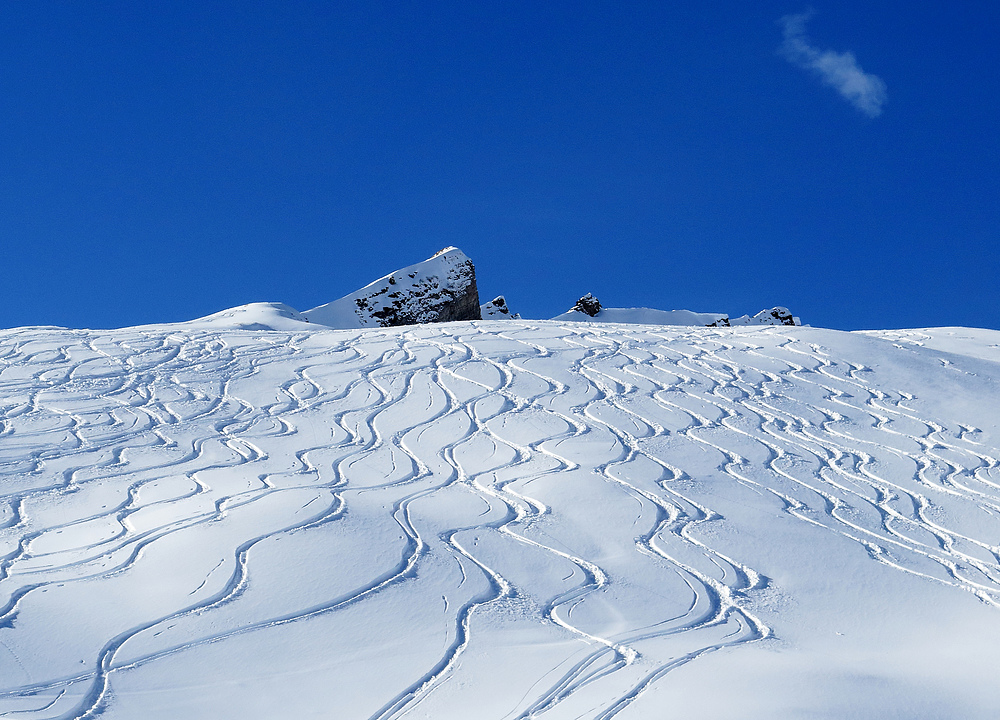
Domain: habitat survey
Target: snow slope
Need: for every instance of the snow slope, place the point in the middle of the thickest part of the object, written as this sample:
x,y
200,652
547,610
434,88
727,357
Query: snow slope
x,y
506,519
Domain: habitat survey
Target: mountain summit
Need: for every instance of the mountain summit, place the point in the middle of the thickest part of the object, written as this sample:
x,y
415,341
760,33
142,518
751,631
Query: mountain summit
x,y
440,289
443,289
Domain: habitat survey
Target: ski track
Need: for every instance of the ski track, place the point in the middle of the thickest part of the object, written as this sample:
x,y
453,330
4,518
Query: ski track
x,y
124,415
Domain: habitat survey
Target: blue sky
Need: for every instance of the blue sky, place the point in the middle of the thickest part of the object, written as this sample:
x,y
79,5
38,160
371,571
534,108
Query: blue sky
x,y
162,161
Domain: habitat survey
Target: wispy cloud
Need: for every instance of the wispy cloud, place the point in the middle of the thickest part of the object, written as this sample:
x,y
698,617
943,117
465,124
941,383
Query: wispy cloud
x,y
839,70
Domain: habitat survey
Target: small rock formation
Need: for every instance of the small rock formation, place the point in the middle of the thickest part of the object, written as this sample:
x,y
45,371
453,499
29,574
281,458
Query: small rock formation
x,y
589,309
775,316
645,316
588,304
496,309
440,289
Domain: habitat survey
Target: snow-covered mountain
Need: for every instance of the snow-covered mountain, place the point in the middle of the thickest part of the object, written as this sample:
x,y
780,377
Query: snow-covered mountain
x,y
439,289
498,519
443,288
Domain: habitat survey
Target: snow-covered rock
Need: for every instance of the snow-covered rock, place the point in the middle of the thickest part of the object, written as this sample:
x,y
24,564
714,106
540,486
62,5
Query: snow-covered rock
x,y
589,309
775,316
588,305
440,289
644,316
496,309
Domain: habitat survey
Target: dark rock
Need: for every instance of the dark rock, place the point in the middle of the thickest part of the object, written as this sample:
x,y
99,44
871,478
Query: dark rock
x,y
588,305
782,315
496,309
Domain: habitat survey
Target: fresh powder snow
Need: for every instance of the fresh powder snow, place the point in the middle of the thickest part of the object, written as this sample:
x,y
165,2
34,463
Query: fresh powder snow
x,y
252,516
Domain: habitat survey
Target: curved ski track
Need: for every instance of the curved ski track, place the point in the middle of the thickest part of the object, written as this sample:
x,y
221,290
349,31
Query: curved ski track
x,y
114,443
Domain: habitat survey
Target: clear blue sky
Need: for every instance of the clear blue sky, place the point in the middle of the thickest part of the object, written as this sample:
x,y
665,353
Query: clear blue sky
x,y
162,161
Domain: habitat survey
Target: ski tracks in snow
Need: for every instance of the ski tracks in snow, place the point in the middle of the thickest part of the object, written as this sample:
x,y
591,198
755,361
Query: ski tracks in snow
x,y
587,453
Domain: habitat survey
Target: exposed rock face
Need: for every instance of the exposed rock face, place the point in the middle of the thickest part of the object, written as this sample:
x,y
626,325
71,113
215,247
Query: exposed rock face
x,y
496,309
588,304
440,289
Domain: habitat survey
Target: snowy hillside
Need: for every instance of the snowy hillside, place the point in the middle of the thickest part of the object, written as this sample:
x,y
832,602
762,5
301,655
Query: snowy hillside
x,y
498,519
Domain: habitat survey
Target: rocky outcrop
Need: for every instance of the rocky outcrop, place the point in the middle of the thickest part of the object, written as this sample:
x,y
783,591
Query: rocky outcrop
x,y
439,289
496,309
775,316
645,316
588,305
589,309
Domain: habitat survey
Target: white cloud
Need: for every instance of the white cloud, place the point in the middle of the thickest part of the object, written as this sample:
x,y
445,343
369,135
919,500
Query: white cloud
x,y
839,70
